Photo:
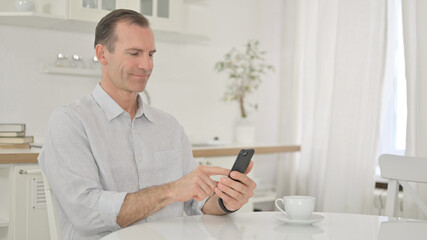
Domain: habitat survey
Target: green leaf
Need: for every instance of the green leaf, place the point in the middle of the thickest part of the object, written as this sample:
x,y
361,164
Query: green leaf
x,y
244,69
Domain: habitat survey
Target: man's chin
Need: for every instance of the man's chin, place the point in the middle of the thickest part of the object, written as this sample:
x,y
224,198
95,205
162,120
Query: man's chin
x,y
140,88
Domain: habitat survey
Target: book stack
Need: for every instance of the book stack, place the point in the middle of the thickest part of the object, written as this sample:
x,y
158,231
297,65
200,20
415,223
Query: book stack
x,y
12,135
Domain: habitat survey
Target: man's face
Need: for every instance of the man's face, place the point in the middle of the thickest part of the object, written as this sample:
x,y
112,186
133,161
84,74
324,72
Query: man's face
x,y
131,63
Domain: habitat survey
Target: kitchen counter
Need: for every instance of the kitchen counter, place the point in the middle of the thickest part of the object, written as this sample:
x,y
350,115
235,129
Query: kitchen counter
x,y
233,150
13,156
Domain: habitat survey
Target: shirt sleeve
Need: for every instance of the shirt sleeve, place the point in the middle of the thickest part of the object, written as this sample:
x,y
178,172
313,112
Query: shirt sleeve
x,y
191,207
72,173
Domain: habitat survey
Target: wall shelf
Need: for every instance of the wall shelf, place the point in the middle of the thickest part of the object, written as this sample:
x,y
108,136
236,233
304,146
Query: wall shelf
x,y
71,71
29,19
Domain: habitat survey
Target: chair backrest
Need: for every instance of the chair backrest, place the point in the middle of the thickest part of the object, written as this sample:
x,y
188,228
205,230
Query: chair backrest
x,y
399,170
54,227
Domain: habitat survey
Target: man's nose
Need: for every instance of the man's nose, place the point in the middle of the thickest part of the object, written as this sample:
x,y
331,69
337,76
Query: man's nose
x,y
145,62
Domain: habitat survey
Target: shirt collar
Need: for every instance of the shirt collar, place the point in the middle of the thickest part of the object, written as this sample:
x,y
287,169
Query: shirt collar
x,y
112,109
108,105
146,110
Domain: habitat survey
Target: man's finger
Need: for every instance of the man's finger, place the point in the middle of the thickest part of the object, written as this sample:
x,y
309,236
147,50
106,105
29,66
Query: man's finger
x,y
237,186
227,200
207,184
239,176
244,179
250,166
230,191
211,182
214,170
199,195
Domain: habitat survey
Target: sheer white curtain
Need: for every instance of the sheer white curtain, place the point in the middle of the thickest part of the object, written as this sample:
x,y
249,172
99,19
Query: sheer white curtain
x,y
339,67
414,16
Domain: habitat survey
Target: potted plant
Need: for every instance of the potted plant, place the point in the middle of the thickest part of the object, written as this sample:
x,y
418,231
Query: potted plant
x,y
245,69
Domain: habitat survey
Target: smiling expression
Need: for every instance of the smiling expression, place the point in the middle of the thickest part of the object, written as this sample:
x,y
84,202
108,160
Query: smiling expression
x,y
129,66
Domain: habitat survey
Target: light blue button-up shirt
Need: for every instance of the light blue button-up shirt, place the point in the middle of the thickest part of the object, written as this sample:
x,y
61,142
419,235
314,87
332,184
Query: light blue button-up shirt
x,y
94,154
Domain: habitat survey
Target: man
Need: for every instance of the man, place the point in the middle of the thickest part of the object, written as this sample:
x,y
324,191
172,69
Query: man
x,y
113,161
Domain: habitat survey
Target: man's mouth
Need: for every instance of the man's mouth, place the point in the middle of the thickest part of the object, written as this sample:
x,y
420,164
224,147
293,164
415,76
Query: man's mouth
x,y
143,75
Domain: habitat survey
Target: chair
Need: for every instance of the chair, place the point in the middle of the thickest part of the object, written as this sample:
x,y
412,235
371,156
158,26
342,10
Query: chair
x,y
54,227
401,170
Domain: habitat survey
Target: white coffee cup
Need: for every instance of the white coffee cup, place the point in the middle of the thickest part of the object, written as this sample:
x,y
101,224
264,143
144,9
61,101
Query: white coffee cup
x,y
297,207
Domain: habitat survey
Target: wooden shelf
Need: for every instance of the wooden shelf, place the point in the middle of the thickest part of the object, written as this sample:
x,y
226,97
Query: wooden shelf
x,y
234,150
11,156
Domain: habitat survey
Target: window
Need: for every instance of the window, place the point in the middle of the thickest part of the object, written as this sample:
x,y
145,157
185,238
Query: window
x,y
394,109
400,103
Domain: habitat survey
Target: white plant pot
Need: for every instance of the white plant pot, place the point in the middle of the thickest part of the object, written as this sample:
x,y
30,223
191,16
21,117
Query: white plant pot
x,y
25,5
244,131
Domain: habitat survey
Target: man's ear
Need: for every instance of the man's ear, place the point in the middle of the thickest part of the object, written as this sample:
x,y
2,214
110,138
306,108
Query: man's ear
x,y
101,54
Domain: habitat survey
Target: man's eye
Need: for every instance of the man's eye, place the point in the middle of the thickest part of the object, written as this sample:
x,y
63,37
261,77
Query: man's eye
x,y
133,53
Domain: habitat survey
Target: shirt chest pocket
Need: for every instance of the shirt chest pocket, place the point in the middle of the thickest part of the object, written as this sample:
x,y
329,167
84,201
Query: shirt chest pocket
x,y
167,166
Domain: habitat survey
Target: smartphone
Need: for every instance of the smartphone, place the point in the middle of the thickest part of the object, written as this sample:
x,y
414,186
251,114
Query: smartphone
x,y
240,165
242,161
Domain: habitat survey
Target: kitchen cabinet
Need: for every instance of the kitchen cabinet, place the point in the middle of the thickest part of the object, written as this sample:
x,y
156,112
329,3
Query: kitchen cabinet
x,y
93,10
163,14
52,9
166,16
5,174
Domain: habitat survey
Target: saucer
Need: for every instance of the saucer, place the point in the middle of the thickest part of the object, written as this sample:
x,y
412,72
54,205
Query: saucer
x,y
314,218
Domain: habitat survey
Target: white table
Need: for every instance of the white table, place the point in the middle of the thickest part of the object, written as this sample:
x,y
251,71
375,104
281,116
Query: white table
x,y
263,225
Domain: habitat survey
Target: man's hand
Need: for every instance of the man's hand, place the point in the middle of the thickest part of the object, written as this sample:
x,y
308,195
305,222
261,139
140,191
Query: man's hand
x,y
197,184
233,193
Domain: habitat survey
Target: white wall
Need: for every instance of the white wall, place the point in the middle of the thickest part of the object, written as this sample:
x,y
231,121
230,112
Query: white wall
x,y
185,72
184,82
27,95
